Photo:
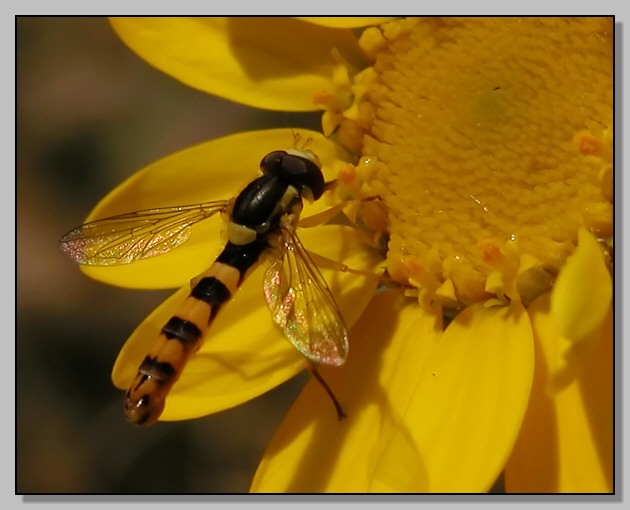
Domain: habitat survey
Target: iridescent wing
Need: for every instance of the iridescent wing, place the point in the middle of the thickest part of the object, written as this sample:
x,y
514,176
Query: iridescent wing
x,y
302,305
129,237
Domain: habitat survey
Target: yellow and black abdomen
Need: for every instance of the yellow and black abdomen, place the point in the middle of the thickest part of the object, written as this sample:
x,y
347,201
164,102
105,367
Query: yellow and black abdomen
x,y
255,222
185,331
255,218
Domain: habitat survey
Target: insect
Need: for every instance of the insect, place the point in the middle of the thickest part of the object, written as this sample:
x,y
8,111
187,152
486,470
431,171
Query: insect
x,y
261,219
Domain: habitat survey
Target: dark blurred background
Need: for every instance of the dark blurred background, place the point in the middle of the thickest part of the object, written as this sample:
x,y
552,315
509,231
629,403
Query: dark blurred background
x,y
89,114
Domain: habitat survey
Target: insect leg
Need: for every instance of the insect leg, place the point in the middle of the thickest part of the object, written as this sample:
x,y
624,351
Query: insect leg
x,y
312,368
325,262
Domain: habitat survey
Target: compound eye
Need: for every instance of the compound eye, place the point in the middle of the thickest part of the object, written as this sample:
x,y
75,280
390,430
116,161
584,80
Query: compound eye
x,y
272,162
295,166
304,173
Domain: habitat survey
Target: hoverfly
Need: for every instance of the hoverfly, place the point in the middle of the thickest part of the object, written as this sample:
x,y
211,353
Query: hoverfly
x,y
261,219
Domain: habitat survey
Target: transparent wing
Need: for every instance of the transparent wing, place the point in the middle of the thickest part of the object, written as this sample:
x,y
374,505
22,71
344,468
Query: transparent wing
x,y
303,306
129,237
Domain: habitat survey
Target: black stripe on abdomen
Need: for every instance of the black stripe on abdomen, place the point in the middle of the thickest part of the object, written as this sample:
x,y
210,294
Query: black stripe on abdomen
x,y
213,291
184,331
242,257
159,370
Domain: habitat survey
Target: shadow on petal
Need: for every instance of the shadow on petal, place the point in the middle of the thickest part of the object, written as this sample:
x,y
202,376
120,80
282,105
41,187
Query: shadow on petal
x,y
371,449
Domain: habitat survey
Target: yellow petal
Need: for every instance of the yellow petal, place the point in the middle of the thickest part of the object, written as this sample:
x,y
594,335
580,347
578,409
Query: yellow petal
x,y
245,354
313,451
423,415
347,21
580,302
565,443
213,170
275,63
472,396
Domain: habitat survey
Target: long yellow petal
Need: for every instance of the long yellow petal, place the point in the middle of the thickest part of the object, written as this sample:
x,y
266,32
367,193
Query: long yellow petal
x,y
245,354
275,63
213,170
472,397
565,444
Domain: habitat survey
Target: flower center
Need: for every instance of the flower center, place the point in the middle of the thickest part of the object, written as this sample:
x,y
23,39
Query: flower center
x,y
490,144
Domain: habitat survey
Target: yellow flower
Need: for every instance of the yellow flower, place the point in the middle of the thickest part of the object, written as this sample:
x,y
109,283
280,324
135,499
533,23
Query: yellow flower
x,y
481,152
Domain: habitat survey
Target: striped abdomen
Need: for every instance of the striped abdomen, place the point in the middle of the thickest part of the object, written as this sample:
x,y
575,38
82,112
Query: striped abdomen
x,y
255,218
184,333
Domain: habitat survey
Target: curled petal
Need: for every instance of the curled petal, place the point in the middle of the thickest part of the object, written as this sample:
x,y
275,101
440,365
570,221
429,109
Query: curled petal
x,y
565,443
245,354
214,170
275,63
580,303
